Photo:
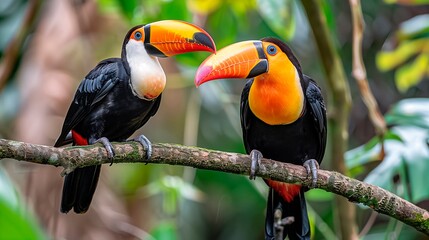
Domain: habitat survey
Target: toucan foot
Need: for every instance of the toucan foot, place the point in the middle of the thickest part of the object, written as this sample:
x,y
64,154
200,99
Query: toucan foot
x,y
109,148
312,166
255,157
147,145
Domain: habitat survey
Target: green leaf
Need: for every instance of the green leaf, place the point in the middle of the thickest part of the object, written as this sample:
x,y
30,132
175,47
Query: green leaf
x,y
165,230
358,157
330,16
411,74
407,162
227,33
388,60
128,8
15,222
411,112
406,152
411,56
174,9
279,15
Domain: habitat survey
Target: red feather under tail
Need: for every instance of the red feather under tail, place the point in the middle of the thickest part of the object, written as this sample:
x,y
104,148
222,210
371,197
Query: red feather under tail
x,y
78,139
286,190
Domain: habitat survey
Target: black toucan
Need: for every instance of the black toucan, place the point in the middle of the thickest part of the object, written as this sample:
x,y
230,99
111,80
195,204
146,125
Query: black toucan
x,y
119,96
283,117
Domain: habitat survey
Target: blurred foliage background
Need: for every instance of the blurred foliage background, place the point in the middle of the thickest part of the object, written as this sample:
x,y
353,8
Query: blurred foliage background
x,y
47,47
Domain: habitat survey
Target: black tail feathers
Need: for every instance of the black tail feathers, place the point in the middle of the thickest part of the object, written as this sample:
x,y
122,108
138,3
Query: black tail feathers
x,y
300,228
78,189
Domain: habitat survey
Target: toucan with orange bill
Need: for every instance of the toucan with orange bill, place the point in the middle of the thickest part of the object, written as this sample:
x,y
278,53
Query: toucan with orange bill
x,y
119,96
283,118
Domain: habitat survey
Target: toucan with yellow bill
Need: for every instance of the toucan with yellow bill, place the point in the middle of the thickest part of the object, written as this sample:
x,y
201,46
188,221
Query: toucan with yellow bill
x,y
119,96
283,117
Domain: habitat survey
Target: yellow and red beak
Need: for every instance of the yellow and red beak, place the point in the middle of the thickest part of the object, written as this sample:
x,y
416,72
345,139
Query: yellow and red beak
x,y
239,60
170,37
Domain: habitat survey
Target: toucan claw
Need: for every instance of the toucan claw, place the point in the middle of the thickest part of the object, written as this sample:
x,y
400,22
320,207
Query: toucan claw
x,y
311,165
147,145
109,148
255,157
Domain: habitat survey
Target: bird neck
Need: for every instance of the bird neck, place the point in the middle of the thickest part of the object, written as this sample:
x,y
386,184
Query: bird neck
x,y
147,78
277,98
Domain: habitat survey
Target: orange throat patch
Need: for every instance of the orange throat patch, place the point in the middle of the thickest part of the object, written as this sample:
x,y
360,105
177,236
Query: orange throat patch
x,y
277,99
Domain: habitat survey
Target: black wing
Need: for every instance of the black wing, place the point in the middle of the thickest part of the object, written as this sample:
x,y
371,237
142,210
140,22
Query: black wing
x,y
245,113
318,111
93,88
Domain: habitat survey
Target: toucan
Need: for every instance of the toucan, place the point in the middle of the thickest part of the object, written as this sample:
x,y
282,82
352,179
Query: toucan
x,y
283,118
119,96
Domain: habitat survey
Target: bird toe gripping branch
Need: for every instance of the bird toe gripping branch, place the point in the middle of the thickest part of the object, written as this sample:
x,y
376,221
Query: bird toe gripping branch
x,y
147,145
311,165
255,157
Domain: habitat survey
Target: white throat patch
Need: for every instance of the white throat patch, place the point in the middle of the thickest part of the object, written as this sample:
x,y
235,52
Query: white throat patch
x,y
147,76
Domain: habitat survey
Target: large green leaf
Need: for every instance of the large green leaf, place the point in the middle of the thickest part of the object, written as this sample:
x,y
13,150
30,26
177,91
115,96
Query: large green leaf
x,y
406,162
357,159
403,169
15,222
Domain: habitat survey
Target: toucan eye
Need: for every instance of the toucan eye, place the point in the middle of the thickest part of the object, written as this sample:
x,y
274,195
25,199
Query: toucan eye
x,y
271,50
137,35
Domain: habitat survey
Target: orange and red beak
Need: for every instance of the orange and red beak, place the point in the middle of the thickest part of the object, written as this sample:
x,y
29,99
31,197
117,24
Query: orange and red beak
x,y
239,60
170,37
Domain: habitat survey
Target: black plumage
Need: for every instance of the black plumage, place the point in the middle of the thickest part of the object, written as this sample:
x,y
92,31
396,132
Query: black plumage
x,y
283,118
103,106
292,143
119,96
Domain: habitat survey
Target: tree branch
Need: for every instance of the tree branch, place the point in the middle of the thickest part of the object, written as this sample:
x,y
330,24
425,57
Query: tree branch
x,y
70,158
359,71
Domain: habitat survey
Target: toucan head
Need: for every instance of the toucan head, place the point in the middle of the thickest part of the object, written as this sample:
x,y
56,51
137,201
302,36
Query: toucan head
x,y
144,44
170,37
276,94
249,59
